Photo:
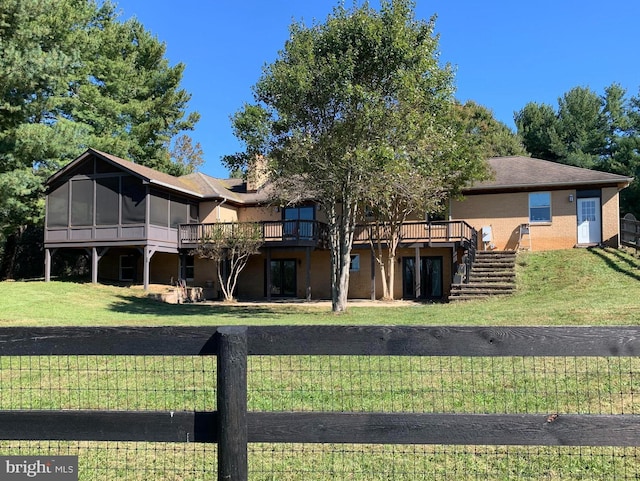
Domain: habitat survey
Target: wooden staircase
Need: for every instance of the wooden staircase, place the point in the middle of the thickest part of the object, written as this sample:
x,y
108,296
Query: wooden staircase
x,y
493,273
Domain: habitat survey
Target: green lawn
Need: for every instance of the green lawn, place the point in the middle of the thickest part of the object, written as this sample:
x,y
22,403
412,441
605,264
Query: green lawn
x,y
588,287
569,287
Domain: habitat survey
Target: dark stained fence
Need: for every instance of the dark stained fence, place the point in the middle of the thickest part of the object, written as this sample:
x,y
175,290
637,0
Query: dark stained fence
x,y
326,402
630,231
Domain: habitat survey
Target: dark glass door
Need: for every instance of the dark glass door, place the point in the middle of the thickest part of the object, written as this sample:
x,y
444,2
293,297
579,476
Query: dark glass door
x,y
283,277
299,222
430,272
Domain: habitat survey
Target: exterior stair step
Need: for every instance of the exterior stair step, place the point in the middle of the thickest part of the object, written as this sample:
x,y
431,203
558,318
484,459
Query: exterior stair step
x,y
492,274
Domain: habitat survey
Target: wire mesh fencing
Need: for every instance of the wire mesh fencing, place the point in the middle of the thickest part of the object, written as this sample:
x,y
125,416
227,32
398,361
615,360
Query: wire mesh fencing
x,y
549,386
547,389
114,383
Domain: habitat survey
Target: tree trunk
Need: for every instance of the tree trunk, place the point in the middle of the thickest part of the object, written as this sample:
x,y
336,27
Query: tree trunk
x,y
228,296
341,239
383,279
9,254
342,294
390,234
391,275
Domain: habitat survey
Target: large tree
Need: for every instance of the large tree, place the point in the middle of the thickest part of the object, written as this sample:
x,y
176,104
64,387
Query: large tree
x,y
588,130
574,134
73,76
410,187
346,99
483,132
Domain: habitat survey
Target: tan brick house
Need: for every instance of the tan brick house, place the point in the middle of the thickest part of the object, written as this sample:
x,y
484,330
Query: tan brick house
x,y
541,205
140,226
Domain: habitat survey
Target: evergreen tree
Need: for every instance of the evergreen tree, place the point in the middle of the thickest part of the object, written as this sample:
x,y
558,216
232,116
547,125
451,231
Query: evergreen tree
x,y
588,130
73,76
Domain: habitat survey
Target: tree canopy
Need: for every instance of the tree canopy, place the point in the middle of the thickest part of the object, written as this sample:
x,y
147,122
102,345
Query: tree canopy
x,y
485,134
73,76
348,103
588,130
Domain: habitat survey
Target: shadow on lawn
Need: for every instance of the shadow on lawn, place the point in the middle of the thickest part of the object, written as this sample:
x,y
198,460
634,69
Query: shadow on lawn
x,y
616,260
149,307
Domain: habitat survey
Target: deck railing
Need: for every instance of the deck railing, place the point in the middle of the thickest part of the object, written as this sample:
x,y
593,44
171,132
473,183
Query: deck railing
x,y
438,231
297,231
286,231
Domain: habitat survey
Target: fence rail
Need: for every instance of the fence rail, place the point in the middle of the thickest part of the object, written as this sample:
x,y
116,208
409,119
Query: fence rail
x,y
630,231
232,425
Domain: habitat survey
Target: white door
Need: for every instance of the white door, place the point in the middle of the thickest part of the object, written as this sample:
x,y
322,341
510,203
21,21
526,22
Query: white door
x,y
589,225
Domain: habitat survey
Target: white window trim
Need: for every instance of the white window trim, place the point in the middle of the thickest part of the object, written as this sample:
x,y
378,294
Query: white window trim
x,y
531,221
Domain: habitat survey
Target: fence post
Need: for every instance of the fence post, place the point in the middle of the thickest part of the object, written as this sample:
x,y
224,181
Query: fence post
x,y
232,404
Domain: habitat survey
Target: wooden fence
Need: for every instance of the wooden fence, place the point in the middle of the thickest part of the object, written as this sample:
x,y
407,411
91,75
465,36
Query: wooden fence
x,y
232,426
630,231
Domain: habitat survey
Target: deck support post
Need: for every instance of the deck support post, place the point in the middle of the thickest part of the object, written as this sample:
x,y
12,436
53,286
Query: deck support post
x,y
417,273
48,253
373,277
308,276
147,254
94,265
268,273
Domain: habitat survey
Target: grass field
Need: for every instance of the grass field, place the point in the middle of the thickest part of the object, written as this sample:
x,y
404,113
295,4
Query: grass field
x,y
569,287
576,287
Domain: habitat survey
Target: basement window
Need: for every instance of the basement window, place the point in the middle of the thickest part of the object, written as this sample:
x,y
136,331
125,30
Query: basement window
x,y
127,268
354,266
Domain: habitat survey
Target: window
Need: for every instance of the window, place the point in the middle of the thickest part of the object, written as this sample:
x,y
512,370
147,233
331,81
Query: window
x,y
354,266
539,207
299,222
193,213
127,268
187,267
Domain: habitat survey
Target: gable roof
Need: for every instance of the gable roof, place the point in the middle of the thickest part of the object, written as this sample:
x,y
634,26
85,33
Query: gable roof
x,y
196,184
516,173
519,173
150,175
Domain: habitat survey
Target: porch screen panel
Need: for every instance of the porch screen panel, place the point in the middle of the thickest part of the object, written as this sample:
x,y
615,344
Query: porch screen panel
x,y
193,213
179,212
107,200
58,207
159,211
133,201
82,202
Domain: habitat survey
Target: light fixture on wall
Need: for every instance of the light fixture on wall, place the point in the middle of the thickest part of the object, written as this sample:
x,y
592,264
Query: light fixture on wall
x,y
570,197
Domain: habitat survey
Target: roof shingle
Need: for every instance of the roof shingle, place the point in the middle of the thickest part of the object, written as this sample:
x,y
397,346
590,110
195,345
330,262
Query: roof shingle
x,y
521,173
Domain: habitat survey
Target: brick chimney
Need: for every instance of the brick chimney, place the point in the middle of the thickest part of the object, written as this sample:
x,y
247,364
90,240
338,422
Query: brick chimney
x,y
257,173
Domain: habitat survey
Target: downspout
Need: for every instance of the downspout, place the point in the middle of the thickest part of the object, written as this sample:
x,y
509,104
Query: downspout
x,y
220,205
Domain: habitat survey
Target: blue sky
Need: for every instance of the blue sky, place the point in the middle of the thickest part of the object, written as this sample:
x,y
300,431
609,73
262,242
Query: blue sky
x,y
505,52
